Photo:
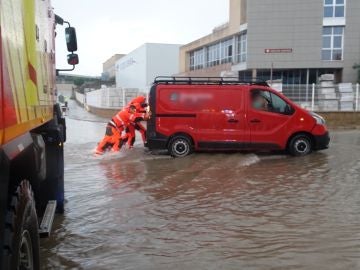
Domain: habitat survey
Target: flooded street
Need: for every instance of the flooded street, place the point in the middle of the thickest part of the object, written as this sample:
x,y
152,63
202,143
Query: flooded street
x,y
135,210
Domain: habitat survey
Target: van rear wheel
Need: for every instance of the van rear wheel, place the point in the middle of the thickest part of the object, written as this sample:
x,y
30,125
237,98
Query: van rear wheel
x,y
300,145
180,146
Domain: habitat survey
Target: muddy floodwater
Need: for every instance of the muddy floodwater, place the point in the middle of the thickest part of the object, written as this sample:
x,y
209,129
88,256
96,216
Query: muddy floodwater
x,y
135,210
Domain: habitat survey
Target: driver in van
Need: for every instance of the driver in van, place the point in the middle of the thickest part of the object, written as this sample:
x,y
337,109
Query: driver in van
x,y
259,102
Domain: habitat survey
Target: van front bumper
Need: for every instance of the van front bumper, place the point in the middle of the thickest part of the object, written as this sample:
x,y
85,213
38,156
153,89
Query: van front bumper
x,y
321,141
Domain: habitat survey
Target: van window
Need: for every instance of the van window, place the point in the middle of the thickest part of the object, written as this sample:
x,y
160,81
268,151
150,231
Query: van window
x,y
279,105
266,101
260,100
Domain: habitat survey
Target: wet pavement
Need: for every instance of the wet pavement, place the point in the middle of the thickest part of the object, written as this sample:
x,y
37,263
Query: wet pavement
x,y
135,210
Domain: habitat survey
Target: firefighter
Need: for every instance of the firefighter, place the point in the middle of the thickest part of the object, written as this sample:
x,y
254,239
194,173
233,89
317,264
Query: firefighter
x,y
141,107
114,129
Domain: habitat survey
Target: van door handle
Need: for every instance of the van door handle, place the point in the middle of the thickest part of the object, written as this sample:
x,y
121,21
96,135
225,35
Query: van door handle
x,y
233,121
255,121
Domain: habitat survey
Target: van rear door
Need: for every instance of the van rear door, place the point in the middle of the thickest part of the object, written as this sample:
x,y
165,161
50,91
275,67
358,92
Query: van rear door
x,y
220,123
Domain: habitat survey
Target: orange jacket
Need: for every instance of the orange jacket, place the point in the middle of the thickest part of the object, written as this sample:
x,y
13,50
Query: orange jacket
x,y
124,118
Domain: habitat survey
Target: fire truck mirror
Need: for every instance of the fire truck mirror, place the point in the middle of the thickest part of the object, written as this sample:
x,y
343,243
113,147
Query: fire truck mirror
x,y
73,59
70,35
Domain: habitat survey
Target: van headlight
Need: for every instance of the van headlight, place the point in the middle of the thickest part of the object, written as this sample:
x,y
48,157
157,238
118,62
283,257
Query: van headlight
x,y
319,119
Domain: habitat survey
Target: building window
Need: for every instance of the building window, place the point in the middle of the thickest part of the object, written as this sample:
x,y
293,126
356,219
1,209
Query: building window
x,y
241,48
216,54
213,55
333,39
192,58
197,59
334,8
245,75
226,51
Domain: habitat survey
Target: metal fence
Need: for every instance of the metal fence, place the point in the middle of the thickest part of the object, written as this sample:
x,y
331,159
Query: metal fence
x,y
324,96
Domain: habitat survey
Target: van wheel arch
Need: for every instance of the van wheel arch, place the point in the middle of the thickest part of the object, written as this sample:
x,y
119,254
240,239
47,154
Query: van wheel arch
x,y
187,140
306,135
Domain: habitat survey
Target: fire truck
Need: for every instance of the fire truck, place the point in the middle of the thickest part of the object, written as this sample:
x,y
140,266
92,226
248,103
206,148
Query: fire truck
x,y
32,128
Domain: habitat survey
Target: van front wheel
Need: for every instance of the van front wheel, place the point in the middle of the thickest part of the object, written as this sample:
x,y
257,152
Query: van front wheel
x,y
300,145
180,146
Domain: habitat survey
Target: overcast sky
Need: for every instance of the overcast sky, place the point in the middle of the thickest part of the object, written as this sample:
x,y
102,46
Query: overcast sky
x,y
107,27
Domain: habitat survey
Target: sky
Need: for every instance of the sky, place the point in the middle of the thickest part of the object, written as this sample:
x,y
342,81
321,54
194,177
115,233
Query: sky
x,y
107,27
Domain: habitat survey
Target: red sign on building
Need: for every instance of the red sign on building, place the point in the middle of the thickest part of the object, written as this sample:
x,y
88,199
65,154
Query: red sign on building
x,y
284,50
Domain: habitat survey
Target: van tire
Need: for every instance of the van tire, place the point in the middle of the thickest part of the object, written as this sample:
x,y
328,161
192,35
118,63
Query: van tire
x,y
21,245
180,146
300,145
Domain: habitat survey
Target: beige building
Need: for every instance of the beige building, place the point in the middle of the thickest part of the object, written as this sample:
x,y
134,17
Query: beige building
x,y
109,71
209,55
274,39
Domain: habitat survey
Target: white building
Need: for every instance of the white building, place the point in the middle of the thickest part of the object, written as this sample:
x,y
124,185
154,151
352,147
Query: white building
x,y
139,68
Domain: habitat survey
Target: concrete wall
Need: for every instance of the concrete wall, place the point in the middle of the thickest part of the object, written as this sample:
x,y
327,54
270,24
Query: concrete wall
x,y
336,120
106,102
103,112
107,98
80,98
110,98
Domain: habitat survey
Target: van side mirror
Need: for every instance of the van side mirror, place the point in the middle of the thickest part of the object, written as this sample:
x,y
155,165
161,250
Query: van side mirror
x,y
288,110
71,42
73,59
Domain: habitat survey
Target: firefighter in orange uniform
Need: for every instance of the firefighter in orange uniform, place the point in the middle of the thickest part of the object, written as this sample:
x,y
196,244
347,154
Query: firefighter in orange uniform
x,y
141,107
114,128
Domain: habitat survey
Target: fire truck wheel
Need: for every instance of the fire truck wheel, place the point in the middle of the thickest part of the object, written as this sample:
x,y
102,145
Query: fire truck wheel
x,y
300,145
21,247
180,146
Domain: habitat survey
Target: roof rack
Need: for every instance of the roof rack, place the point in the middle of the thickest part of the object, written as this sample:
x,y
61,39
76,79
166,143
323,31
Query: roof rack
x,y
206,80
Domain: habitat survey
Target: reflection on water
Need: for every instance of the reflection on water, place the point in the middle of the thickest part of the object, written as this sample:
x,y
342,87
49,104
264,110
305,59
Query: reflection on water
x,y
135,210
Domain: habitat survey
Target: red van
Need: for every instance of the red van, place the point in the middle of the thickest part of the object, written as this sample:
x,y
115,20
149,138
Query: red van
x,y
202,114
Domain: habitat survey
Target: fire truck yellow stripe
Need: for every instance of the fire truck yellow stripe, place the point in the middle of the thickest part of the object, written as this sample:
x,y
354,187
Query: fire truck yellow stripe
x,y
30,50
